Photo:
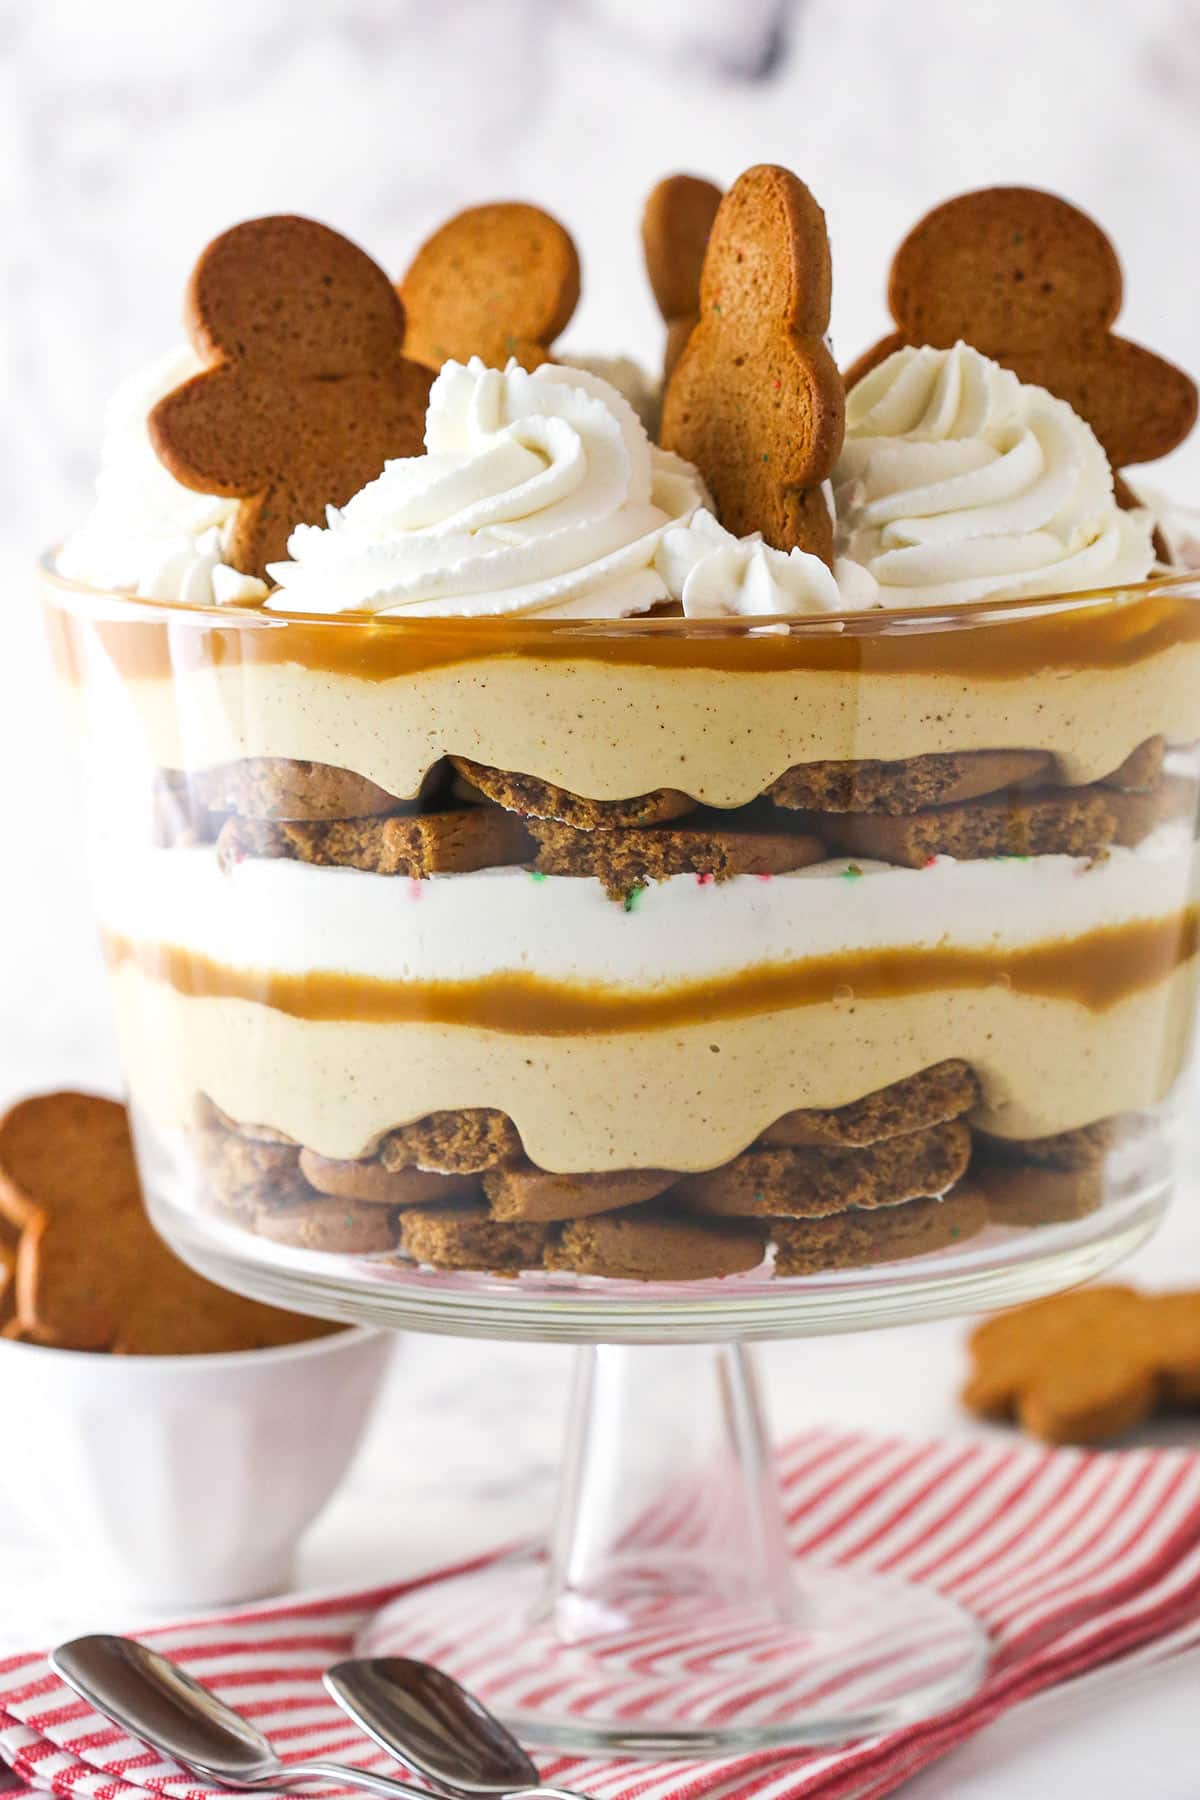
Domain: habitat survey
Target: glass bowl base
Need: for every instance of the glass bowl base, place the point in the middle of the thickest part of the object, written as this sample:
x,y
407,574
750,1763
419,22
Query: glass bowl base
x,y
653,1670
1001,1267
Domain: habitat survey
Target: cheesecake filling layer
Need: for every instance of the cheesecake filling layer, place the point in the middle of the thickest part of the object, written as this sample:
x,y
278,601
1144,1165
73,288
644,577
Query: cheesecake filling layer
x,y
334,1005
687,1098
611,716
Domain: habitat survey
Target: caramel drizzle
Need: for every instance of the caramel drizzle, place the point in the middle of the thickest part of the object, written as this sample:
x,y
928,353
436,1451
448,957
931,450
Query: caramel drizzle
x,y
1096,971
155,640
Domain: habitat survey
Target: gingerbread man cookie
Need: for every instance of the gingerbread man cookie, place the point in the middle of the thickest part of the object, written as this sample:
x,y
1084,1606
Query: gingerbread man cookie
x,y
1035,284
1085,1366
306,391
676,225
9,1239
755,400
495,282
91,1272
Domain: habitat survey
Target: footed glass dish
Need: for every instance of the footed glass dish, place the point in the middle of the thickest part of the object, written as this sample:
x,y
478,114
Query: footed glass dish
x,y
661,982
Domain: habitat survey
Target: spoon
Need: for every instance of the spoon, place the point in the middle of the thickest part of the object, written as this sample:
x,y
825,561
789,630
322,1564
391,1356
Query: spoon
x,y
422,1717
153,1699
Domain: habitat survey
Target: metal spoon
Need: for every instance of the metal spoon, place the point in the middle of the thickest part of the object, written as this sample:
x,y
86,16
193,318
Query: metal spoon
x,y
422,1717
155,1700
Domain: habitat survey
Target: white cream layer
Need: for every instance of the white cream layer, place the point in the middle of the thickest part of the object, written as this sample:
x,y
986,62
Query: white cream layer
x,y
288,917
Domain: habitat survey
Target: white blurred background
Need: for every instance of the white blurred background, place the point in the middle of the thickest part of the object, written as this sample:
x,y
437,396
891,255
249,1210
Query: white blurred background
x,y
131,132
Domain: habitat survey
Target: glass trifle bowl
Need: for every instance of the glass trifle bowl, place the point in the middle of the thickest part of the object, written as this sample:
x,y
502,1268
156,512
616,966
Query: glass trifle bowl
x,y
703,975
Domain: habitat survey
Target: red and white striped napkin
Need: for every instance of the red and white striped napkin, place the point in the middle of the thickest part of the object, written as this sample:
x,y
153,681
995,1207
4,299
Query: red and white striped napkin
x,y
1072,1560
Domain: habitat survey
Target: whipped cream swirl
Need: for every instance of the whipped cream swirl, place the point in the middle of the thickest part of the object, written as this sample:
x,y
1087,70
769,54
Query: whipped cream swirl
x,y
716,575
959,482
147,534
1177,525
538,494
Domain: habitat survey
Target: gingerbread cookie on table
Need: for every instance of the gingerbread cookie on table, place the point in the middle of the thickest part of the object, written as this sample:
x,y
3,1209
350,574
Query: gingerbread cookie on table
x,y
1034,283
676,224
91,1273
9,1239
1085,1366
307,390
496,282
755,400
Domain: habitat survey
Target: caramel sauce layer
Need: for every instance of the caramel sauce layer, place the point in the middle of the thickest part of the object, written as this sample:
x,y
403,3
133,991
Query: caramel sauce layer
x,y
1095,971
154,641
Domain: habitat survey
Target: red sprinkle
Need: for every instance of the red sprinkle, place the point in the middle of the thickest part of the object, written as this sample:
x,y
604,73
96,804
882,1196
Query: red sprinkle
x,y
705,880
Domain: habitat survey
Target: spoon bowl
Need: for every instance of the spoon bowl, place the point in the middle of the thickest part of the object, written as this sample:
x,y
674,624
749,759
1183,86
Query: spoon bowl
x,y
422,1717
159,1703
152,1698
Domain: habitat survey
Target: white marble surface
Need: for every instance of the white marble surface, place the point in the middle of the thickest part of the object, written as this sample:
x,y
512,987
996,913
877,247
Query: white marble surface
x,y
129,133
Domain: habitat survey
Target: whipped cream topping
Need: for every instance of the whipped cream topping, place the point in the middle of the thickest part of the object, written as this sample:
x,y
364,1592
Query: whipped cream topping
x,y
959,482
632,382
291,917
714,574
538,494
147,533
542,494
1179,525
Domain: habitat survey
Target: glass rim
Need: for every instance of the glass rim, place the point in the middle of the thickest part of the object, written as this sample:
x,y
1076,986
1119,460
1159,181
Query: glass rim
x,y
526,629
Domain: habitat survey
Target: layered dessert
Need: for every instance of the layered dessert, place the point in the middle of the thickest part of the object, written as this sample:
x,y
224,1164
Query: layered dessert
x,y
576,855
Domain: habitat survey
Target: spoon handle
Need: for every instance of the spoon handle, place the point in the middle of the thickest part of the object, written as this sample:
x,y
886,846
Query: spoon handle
x,y
546,1793
385,1787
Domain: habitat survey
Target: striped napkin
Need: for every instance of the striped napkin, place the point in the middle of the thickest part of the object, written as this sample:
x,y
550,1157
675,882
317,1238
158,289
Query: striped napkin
x,y
1076,1562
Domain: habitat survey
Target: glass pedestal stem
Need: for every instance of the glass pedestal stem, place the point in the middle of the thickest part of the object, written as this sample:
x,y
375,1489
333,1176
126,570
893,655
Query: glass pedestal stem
x,y
667,1615
668,1488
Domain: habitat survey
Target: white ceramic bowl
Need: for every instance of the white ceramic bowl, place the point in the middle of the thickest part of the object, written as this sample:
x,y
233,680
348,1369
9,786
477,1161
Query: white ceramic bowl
x,y
181,1481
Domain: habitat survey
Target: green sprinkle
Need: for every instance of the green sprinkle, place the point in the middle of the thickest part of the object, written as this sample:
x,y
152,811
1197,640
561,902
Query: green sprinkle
x,y
632,897
537,875
852,872
766,456
758,1198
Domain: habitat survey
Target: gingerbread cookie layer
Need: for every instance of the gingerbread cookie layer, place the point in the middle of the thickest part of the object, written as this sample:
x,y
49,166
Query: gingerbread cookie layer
x,y
845,1187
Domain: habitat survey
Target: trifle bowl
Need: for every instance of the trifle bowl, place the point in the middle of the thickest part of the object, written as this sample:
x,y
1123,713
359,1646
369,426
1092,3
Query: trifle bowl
x,y
648,875
823,957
